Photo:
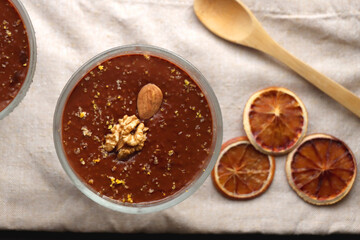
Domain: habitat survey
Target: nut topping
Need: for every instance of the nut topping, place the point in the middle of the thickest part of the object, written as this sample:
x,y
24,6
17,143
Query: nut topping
x,y
122,138
149,100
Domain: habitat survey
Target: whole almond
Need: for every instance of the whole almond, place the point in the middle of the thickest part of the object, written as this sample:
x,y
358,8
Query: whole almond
x,y
149,100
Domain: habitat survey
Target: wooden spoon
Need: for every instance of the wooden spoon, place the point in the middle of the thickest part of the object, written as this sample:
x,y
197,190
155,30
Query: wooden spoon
x,y
233,21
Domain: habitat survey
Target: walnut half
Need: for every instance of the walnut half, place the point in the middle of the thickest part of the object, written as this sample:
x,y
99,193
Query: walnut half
x,y
123,140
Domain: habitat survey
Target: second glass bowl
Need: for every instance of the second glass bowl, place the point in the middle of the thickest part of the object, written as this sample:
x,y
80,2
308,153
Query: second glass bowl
x,y
32,59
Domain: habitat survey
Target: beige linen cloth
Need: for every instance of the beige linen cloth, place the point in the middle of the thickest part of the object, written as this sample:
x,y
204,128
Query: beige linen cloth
x,y
35,192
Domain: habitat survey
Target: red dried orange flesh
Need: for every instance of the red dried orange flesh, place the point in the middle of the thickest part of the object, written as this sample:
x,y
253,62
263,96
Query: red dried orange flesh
x,y
241,171
321,170
275,120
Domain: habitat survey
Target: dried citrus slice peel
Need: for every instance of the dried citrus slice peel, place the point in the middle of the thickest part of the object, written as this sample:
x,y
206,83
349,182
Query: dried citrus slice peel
x,y
241,171
275,120
321,170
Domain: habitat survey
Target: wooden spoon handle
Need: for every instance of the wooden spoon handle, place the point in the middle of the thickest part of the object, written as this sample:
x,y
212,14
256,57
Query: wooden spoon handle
x,y
325,84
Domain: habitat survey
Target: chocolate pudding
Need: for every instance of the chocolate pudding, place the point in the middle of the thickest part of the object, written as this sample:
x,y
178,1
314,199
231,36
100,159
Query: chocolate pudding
x,y
175,138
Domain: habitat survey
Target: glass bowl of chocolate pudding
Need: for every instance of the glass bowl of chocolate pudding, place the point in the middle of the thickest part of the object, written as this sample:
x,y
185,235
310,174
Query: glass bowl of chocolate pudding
x,y
137,129
17,54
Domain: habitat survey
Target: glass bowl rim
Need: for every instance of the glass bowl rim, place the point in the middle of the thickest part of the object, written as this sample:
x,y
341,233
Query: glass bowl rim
x,y
19,7
177,60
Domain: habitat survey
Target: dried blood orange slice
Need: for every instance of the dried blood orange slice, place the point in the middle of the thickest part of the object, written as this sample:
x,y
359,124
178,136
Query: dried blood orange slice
x,y
275,120
241,171
321,170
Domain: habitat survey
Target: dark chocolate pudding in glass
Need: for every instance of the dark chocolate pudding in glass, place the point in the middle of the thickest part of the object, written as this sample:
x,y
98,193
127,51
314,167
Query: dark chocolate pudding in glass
x,y
14,53
175,140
